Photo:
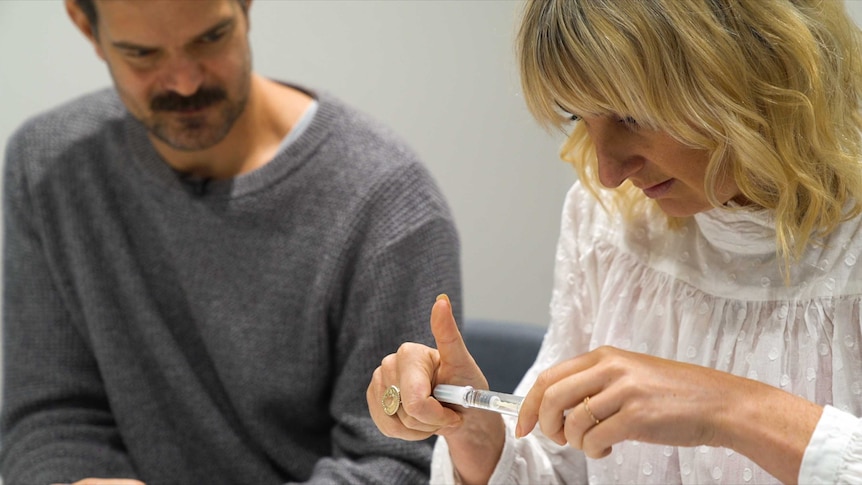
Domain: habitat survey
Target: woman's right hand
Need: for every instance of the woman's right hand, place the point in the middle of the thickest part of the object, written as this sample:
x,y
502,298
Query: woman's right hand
x,y
475,437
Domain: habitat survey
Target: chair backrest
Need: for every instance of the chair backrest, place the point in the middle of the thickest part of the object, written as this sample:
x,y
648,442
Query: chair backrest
x,y
503,350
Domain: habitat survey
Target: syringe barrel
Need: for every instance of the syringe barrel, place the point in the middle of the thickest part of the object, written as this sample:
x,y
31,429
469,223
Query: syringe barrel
x,y
495,401
476,398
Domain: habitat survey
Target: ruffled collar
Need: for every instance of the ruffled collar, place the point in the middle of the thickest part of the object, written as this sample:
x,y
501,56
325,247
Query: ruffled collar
x,y
738,230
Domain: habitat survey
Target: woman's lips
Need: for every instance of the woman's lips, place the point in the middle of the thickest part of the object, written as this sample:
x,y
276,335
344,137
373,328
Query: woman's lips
x,y
658,190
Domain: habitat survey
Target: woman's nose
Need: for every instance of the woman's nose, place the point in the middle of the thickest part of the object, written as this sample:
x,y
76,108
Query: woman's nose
x,y
617,160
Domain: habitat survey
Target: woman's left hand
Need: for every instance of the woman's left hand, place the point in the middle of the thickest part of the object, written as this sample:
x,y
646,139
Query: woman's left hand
x,y
610,395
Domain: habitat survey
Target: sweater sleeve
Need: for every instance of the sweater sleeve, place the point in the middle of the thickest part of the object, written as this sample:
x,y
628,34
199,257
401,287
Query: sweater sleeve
x,y
56,425
411,254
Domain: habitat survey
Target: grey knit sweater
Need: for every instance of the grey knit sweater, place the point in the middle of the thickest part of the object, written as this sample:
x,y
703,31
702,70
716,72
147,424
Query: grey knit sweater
x,y
217,334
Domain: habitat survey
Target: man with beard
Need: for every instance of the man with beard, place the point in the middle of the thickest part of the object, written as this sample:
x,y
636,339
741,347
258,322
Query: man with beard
x,y
203,266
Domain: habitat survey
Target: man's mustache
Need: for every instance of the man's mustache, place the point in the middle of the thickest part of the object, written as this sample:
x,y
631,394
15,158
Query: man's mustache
x,y
172,101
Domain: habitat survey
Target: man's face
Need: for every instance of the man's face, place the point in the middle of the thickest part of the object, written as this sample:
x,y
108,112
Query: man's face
x,y
182,67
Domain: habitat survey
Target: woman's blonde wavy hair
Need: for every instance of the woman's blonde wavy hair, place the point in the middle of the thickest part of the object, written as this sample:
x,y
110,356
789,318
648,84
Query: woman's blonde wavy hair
x,y
770,88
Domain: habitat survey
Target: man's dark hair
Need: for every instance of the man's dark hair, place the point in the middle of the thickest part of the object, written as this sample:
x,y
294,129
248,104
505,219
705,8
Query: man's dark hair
x,y
89,8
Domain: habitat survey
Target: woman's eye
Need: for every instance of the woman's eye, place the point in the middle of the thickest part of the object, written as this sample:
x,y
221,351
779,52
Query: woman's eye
x,y
629,121
567,113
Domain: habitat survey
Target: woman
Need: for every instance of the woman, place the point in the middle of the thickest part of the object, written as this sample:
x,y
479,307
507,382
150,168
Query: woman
x,y
706,319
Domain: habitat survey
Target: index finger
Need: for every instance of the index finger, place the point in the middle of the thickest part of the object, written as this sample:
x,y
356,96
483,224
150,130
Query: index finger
x,y
528,416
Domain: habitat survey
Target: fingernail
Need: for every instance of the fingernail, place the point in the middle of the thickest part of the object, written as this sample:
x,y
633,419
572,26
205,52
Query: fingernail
x,y
443,296
518,432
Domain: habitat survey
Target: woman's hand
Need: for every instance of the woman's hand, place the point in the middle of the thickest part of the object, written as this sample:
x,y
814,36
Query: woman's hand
x,y
475,437
634,396
639,397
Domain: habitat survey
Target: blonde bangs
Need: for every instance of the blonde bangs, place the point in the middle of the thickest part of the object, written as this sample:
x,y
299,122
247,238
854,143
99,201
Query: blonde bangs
x,y
564,66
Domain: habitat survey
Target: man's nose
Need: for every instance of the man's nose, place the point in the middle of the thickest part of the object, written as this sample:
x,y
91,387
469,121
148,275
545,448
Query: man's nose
x,y
183,75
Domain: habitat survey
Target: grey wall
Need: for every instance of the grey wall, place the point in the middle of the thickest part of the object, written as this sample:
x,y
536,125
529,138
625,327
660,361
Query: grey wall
x,y
440,72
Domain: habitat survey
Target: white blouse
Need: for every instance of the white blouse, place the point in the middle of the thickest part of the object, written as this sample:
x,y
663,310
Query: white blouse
x,y
710,293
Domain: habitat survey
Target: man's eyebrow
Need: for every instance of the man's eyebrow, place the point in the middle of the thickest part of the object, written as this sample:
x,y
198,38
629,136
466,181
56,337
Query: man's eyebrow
x,y
129,46
121,44
215,28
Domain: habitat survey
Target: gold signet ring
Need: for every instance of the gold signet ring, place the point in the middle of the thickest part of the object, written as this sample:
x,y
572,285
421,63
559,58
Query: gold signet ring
x,y
391,400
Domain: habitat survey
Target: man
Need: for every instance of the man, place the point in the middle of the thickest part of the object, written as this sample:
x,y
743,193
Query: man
x,y
202,267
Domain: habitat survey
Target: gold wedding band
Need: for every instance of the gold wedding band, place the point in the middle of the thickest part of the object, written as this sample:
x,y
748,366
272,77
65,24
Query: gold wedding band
x,y
391,400
590,413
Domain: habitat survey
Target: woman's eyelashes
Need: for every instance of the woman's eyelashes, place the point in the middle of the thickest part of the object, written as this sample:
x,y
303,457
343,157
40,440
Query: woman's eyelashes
x,y
626,120
567,113
630,122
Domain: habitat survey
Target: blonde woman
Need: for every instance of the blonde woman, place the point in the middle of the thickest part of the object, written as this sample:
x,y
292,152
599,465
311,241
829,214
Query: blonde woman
x,y
706,319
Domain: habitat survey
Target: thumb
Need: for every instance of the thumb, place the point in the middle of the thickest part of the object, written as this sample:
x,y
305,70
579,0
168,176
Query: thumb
x,y
450,344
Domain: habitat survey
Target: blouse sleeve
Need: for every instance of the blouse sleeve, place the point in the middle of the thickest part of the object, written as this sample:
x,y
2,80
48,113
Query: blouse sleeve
x,y
535,458
834,454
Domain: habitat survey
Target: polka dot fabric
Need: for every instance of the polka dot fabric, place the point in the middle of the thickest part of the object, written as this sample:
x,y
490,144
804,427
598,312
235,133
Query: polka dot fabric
x,y
711,293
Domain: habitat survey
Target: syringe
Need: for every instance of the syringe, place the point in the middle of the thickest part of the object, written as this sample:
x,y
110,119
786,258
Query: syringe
x,y
476,398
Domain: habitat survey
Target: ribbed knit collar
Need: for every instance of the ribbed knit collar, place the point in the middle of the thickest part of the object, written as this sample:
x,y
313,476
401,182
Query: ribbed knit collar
x,y
157,171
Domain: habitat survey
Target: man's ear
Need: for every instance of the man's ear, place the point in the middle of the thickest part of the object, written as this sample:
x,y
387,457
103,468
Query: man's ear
x,y
79,18
246,6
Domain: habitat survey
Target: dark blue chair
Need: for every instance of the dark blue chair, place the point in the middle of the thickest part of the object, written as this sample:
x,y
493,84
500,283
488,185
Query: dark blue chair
x,y
503,350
